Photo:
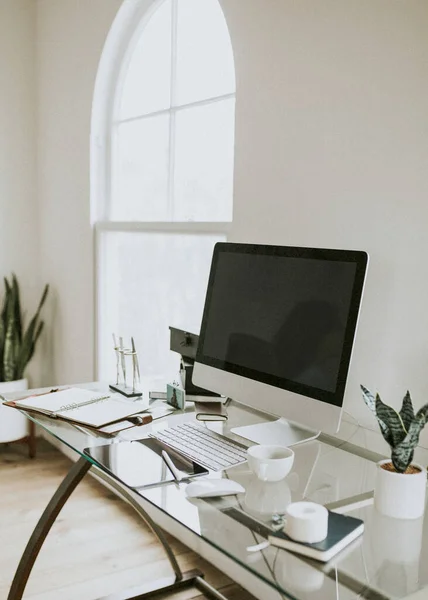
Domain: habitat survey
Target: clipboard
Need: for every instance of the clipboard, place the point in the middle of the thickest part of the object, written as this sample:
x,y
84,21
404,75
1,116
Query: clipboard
x,y
84,407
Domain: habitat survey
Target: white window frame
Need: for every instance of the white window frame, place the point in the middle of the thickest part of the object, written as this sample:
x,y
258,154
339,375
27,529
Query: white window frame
x,y
126,29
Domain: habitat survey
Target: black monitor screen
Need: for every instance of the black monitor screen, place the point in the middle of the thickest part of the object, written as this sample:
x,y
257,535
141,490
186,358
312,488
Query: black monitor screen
x,y
282,315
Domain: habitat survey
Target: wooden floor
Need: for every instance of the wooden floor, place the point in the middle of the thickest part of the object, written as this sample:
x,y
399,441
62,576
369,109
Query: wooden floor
x,y
97,546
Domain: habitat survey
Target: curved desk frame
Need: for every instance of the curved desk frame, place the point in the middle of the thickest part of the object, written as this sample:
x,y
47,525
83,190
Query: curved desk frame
x,y
75,475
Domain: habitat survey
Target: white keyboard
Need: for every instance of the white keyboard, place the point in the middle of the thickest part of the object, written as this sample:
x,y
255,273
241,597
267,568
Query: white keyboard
x,y
211,450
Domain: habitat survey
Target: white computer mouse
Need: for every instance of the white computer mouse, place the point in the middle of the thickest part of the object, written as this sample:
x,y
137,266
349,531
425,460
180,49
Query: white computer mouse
x,y
208,488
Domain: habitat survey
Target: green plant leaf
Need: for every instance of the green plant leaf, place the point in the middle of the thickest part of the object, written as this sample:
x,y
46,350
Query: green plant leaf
x,y
7,286
38,332
10,348
11,345
36,337
5,301
17,307
370,400
3,324
2,342
42,299
407,413
28,346
16,346
423,413
402,455
396,430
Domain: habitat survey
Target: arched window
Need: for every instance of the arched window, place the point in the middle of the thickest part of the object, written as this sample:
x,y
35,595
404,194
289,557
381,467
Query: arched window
x,y
166,194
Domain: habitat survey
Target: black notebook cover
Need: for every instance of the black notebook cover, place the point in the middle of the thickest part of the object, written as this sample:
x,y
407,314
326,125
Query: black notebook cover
x,y
342,530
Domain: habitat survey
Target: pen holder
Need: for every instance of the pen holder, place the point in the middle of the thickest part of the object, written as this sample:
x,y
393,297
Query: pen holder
x,y
121,354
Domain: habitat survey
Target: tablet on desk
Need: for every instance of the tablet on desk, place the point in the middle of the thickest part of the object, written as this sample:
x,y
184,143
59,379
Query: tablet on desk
x,y
139,463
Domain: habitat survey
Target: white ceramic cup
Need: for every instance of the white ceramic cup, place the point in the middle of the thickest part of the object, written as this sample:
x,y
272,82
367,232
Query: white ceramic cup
x,y
270,463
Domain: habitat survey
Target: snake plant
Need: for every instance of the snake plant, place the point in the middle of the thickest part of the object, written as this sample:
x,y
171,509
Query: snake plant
x,y
400,430
17,343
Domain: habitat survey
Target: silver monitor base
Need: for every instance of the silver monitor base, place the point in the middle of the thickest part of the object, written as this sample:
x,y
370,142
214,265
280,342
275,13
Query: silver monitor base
x,y
277,433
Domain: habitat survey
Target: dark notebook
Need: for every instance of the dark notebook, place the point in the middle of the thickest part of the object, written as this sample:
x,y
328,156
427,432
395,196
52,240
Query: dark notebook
x,y
342,530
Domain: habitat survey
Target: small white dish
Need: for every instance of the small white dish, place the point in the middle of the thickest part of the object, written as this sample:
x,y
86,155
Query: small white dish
x,y
270,463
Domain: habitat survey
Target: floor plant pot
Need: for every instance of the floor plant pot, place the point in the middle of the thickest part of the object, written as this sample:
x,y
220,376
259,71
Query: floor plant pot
x,y
13,424
400,495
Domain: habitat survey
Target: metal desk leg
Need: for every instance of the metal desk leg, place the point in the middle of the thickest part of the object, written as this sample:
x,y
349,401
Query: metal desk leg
x,y
179,581
70,482
190,579
32,441
128,496
67,486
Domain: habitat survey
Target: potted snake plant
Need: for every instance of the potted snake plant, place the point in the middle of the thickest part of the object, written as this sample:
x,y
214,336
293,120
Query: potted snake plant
x,y
17,346
400,483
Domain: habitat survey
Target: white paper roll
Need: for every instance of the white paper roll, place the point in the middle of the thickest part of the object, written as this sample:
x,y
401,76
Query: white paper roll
x,y
306,522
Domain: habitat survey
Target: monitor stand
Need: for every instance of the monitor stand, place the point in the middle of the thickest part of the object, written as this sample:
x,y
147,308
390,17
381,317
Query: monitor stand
x,y
277,433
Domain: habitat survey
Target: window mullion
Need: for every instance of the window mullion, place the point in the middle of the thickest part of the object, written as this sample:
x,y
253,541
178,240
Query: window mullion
x,y
111,180
171,165
171,169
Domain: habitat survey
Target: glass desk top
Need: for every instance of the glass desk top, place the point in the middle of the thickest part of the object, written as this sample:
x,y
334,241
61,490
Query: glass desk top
x,y
388,561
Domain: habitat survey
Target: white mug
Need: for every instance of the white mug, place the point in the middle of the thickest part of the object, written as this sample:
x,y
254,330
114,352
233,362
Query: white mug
x,y
270,463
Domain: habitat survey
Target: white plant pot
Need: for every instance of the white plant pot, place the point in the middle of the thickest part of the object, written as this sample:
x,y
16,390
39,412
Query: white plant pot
x,y
398,495
13,424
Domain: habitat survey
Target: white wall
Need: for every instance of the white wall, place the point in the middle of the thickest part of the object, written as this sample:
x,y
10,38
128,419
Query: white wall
x,y
70,38
18,194
332,151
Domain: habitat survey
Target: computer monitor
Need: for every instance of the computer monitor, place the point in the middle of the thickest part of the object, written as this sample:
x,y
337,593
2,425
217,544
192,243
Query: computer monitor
x,y
277,334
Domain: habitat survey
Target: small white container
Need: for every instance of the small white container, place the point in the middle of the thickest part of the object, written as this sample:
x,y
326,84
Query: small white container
x,y
398,495
306,522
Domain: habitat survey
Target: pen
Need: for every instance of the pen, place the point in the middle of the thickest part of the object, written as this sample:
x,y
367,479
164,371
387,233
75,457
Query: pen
x,y
135,357
122,358
177,475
